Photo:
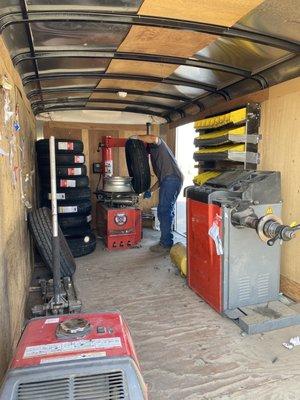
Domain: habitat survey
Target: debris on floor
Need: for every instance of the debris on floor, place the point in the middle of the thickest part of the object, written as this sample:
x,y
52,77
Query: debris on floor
x,y
295,341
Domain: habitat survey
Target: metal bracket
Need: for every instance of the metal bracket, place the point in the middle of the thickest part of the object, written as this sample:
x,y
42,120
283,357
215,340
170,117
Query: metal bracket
x,y
69,302
264,317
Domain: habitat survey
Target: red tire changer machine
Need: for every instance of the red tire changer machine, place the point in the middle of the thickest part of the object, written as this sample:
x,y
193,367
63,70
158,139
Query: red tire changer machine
x,y
234,245
119,220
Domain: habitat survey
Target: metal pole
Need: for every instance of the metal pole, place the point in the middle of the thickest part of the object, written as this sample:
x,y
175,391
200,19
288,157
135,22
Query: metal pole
x,y
55,237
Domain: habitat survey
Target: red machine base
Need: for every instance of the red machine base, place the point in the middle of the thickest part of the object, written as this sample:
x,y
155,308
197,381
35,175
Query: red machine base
x,y
204,265
121,228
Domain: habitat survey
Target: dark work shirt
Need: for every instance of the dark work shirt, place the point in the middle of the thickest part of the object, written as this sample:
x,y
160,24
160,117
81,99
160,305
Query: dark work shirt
x,y
163,161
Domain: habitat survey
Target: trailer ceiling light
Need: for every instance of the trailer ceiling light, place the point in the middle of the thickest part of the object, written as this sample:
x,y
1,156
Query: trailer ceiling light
x,y
122,94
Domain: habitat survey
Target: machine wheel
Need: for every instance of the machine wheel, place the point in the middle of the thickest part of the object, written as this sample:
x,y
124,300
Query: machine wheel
x,y
138,165
62,146
41,229
81,246
83,230
70,194
69,182
73,221
61,159
65,171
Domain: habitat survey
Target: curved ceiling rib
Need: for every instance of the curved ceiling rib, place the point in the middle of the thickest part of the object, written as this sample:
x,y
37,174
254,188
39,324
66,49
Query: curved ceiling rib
x,y
143,78
161,22
196,62
86,100
79,89
142,69
134,110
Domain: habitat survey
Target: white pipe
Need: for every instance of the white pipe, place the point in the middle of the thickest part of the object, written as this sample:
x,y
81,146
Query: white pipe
x,y
53,186
55,237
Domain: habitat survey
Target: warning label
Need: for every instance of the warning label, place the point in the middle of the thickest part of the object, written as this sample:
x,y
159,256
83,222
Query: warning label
x,y
95,354
65,146
67,183
67,210
52,321
78,159
59,196
69,347
74,171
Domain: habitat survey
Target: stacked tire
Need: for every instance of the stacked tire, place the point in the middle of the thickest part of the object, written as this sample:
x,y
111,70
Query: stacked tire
x,y
73,193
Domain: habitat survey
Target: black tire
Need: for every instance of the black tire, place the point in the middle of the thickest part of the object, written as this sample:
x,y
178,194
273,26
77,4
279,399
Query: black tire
x,y
138,165
80,246
73,221
66,183
64,171
65,208
41,229
69,194
61,159
78,231
62,146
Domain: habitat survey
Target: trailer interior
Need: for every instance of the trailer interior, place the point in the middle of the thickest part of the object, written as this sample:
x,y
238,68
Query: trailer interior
x,y
217,318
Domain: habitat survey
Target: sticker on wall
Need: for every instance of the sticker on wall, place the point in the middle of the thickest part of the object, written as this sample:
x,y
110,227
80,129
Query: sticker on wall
x,y
3,153
16,124
7,87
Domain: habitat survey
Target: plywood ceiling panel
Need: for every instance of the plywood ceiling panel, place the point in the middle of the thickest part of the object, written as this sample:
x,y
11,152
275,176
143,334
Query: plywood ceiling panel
x,y
219,12
141,68
152,40
138,68
162,41
116,84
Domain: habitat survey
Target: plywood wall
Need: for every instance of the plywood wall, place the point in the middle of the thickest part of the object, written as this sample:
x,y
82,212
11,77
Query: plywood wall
x,y
91,135
280,150
17,186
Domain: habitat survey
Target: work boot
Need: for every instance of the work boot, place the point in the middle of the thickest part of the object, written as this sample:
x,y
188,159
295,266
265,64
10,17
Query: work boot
x,y
160,249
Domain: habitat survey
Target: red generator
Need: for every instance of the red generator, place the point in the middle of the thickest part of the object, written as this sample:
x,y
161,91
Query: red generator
x,y
121,228
84,356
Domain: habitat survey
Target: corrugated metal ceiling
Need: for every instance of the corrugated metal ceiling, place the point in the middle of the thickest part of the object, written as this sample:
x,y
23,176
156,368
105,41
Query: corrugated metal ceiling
x,y
167,55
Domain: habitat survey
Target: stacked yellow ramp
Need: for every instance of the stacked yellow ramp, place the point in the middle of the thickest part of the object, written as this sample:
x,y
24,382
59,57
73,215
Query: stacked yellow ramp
x,y
225,140
231,118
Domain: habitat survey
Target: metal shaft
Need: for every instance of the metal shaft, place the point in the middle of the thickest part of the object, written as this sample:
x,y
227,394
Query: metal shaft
x,y
55,237
148,128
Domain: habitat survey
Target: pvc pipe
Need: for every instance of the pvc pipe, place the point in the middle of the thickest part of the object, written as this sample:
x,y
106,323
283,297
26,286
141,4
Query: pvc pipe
x,y
55,237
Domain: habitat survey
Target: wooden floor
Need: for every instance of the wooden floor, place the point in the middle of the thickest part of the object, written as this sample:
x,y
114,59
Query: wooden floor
x,y
186,350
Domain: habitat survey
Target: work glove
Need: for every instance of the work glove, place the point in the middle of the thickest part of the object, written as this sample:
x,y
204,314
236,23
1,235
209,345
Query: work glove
x,y
147,194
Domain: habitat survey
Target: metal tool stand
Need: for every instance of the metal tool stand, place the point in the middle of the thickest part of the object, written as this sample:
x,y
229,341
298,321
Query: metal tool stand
x,y
234,245
59,296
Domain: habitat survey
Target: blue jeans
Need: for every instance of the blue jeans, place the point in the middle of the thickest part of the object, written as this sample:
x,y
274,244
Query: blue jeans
x,y
168,192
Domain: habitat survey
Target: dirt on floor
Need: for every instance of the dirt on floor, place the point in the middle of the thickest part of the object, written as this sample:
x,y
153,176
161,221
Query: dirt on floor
x,y
187,351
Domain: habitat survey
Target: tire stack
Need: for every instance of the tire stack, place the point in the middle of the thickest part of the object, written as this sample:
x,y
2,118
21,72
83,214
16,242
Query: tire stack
x,y
73,193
